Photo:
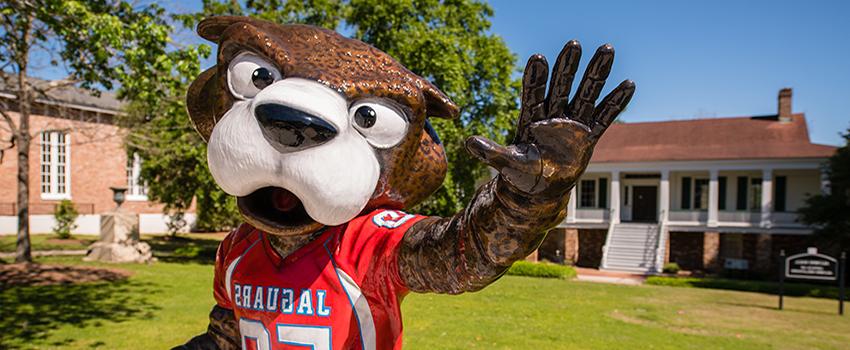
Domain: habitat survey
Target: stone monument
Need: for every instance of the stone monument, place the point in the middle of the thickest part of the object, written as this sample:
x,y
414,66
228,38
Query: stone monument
x,y
119,236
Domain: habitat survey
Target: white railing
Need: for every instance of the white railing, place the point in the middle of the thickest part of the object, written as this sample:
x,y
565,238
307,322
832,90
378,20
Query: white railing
x,y
660,249
608,239
739,216
689,215
592,214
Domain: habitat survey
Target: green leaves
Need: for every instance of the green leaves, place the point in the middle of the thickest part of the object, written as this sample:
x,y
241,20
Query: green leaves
x,y
828,212
447,42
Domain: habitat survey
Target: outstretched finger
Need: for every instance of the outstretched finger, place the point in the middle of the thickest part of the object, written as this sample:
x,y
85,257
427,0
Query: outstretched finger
x,y
612,105
562,79
581,108
500,157
533,92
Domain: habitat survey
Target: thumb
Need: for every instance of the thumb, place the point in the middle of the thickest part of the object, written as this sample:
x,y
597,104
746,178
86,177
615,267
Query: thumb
x,y
488,151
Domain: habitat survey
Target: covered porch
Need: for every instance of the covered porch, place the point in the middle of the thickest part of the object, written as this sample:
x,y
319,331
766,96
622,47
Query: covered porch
x,y
732,195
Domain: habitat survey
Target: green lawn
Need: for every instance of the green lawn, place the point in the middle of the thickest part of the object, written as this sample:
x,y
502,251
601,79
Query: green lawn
x,y
48,242
166,303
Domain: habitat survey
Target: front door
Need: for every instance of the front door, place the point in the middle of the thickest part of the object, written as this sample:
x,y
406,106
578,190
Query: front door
x,y
645,204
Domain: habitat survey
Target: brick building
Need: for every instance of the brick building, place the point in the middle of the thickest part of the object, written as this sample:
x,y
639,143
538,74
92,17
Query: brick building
x,y
709,194
76,153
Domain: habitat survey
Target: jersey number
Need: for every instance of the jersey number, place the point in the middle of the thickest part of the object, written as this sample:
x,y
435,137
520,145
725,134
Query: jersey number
x,y
314,337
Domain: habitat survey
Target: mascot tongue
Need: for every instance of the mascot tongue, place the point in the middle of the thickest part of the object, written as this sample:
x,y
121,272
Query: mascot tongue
x,y
284,200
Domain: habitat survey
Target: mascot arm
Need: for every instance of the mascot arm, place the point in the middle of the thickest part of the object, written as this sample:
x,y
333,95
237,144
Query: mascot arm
x,y
509,216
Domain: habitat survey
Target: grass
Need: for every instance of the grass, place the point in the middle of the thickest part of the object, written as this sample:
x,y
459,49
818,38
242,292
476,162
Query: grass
x,y
48,242
166,303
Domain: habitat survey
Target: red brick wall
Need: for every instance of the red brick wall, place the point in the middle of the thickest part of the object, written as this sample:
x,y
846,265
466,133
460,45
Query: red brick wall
x,y
686,250
97,160
590,244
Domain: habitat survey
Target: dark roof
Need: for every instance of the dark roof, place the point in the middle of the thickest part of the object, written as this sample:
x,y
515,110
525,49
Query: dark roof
x,y
72,95
763,137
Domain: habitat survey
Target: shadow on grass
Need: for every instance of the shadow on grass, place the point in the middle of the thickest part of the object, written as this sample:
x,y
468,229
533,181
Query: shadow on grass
x,y
776,308
29,314
178,249
791,289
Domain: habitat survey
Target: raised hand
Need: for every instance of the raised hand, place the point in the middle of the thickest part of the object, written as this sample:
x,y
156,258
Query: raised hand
x,y
555,136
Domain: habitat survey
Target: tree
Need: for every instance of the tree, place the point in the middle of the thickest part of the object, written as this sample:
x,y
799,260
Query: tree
x,y
828,212
100,44
446,41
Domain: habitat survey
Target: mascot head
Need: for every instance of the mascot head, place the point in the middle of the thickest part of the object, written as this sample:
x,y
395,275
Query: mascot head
x,y
308,128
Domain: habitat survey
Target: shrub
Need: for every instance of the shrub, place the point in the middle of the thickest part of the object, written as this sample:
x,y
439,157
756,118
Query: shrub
x,y
542,270
66,217
672,268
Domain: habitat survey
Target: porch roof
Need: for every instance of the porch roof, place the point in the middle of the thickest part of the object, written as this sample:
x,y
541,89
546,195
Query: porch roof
x,y
762,137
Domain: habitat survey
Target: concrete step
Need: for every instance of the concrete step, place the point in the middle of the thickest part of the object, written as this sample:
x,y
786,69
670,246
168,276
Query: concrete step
x,y
629,268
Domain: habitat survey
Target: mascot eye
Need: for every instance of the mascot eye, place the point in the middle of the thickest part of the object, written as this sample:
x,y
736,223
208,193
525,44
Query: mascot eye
x,y
262,77
365,117
248,74
382,125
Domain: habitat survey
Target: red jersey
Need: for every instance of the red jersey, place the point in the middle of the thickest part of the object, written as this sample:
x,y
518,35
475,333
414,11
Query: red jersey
x,y
340,291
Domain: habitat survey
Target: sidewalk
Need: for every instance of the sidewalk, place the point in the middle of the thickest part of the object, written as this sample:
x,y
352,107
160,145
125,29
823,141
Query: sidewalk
x,y
599,276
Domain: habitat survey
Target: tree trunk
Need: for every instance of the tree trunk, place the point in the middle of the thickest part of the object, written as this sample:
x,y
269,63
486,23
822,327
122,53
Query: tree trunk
x,y
23,249
23,253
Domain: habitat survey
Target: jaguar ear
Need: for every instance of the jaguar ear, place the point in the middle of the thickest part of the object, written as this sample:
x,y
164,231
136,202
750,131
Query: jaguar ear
x,y
437,104
211,27
201,101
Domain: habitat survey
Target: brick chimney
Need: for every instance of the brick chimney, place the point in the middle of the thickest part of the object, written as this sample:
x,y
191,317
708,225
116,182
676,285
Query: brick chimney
x,y
785,105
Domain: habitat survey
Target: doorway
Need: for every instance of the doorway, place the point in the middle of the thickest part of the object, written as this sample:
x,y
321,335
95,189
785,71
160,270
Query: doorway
x,y
645,203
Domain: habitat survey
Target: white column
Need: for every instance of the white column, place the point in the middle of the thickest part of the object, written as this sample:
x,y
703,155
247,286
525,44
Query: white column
x,y
571,206
824,182
766,197
712,198
664,193
614,201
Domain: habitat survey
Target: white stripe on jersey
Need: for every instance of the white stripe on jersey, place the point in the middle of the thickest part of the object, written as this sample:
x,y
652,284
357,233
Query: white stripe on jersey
x,y
361,308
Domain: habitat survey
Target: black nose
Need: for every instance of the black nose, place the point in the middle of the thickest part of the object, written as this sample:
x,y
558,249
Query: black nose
x,y
287,126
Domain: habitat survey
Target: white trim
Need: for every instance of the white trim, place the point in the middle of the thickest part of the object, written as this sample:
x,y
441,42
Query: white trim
x,y
53,152
134,183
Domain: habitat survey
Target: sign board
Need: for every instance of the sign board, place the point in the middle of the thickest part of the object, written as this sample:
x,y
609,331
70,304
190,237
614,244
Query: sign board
x,y
811,266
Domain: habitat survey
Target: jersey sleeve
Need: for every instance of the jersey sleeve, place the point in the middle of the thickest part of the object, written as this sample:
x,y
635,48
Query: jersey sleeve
x,y
224,257
371,245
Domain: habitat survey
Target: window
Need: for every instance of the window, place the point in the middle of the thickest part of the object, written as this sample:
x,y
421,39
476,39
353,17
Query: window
x,y
603,193
55,170
686,192
741,200
755,194
701,194
588,194
779,193
136,189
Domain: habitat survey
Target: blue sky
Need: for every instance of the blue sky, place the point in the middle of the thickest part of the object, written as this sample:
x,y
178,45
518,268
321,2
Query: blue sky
x,y
703,59
696,59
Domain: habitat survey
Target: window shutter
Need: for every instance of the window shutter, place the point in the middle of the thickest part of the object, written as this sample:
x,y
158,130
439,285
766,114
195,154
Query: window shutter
x,y
686,192
603,192
721,187
741,199
779,193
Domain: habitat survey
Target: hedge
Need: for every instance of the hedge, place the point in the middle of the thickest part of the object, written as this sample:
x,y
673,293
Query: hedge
x,y
541,270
